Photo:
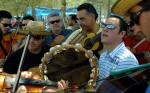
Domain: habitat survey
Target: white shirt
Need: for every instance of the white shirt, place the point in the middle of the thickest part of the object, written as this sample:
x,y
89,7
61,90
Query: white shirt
x,y
119,58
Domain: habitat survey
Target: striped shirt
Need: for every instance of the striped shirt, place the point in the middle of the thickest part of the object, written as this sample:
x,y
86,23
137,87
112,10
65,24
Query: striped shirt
x,y
119,58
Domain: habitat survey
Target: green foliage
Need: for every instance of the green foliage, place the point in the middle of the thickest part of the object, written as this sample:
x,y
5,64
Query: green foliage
x,y
16,7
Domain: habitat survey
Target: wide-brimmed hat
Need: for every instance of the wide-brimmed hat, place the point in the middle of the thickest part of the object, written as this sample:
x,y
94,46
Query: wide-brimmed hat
x,y
121,7
36,28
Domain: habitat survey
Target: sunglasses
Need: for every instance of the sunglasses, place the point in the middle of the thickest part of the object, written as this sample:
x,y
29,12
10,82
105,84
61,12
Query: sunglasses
x,y
23,24
135,16
57,21
109,26
6,25
36,37
131,24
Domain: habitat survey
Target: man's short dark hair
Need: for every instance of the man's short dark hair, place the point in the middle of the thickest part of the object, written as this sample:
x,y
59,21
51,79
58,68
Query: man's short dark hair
x,y
73,17
28,17
122,24
144,4
5,14
89,8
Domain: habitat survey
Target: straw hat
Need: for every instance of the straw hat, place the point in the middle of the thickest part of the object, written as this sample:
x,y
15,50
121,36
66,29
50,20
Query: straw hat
x,y
121,7
36,28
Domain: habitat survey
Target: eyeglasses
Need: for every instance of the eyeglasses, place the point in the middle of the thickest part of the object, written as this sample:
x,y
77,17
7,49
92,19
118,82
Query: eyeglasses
x,y
57,21
36,37
131,23
6,25
135,16
23,24
109,26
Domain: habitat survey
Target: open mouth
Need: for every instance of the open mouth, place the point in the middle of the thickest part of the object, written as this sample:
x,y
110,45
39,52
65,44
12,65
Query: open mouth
x,y
104,35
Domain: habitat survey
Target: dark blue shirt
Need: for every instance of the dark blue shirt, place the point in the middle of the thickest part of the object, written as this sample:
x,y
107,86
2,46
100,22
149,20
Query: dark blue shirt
x,y
49,39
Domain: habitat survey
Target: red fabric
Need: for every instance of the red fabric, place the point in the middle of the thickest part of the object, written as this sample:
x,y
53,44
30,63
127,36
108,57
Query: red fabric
x,y
6,41
144,46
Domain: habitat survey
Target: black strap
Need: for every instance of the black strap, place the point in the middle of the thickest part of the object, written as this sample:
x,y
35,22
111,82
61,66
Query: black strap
x,y
4,50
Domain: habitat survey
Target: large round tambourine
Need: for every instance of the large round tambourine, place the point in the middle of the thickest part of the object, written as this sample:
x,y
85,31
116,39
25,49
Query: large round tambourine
x,y
72,63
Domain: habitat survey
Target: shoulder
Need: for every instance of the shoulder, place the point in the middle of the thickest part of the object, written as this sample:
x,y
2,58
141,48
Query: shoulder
x,y
46,47
66,31
73,35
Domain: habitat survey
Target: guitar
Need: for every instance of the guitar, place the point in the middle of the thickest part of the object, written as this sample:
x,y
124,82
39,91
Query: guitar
x,y
129,80
92,42
57,40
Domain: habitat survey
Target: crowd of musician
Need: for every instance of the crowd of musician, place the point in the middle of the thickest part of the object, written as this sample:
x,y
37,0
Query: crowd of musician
x,y
122,44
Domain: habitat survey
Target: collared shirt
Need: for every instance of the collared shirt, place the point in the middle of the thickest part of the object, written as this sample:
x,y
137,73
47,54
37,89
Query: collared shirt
x,y
148,89
119,58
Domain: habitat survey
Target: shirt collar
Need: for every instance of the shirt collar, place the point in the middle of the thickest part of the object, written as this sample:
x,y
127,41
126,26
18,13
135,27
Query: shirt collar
x,y
116,50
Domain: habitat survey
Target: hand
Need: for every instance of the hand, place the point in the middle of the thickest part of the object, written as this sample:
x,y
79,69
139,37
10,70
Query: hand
x,y
1,63
61,86
22,89
147,56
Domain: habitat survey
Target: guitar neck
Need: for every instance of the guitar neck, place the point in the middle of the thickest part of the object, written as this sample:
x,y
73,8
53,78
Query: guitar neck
x,y
28,81
124,72
96,38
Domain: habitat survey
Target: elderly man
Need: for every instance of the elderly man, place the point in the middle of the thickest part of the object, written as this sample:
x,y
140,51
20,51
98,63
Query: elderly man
x,y
58,33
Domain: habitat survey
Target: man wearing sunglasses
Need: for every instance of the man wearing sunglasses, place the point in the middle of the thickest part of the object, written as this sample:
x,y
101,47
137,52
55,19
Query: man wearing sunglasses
x,y
116,56
139,12
57,30
8,38
25,20
137,44
35,49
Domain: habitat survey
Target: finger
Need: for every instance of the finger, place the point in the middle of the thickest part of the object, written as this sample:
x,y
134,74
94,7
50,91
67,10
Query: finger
x,y
60,86
63,83
22,89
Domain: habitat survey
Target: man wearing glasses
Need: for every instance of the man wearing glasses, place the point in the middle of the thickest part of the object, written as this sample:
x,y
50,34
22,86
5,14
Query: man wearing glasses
x,y
139,12
25,20
58,32
35,49
5,19
137,44
116,56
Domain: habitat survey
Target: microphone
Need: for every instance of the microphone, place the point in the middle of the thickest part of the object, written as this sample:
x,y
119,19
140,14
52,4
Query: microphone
x,y
90,42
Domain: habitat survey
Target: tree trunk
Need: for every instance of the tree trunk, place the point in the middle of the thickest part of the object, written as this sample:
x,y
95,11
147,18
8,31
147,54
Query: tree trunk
x,y
33,12
63,10
108,11
100,13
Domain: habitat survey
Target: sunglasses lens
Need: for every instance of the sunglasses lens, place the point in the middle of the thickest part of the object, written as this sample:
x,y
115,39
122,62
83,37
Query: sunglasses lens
x,y
131,23
6,25
103,25
36,37
24,24
134,18
57,21
110,26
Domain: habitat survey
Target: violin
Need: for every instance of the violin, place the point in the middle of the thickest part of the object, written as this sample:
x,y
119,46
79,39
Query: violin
x,y
32,85
30,79
136,82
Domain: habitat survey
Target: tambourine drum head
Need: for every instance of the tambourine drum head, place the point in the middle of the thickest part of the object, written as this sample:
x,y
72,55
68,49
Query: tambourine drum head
x,y
69,65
